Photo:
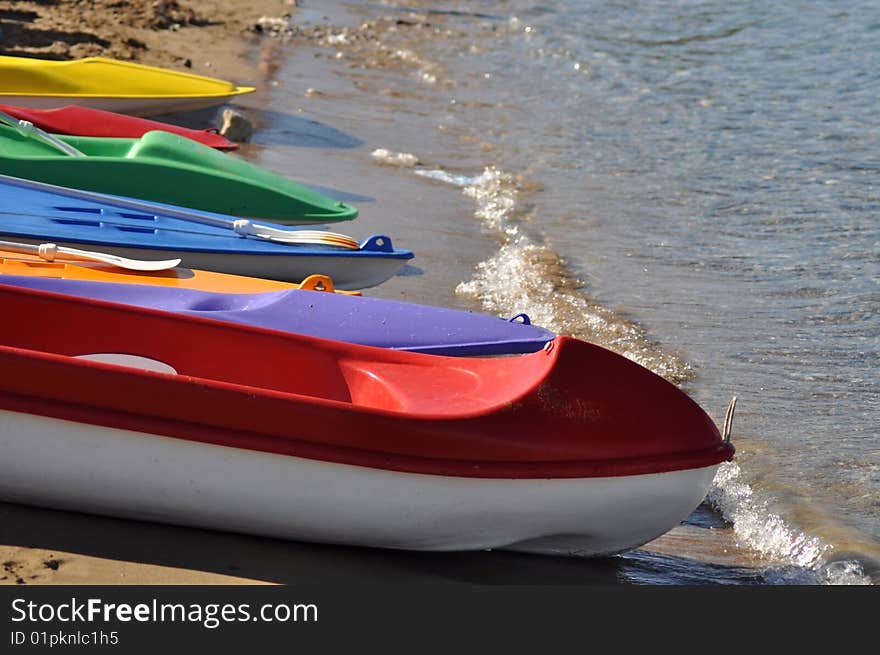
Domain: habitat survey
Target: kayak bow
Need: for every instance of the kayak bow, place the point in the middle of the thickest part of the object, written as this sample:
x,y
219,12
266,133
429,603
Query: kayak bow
x,y
168,168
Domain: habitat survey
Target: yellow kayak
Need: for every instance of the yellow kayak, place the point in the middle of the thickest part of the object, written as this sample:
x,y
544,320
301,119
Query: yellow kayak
x,y
13,263
110,85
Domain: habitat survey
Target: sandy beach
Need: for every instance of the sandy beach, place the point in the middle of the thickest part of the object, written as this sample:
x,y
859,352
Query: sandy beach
x,y
203,36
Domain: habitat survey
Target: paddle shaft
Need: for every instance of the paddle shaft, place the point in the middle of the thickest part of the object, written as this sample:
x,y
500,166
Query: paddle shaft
x,y
294,237
271,233
31,131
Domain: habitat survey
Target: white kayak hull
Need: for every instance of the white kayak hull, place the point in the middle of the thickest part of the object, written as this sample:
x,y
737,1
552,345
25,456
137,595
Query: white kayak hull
x,y
135,106
348,272
74,466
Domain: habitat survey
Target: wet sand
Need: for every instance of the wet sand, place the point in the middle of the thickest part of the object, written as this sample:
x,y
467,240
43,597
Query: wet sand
x,y
318,127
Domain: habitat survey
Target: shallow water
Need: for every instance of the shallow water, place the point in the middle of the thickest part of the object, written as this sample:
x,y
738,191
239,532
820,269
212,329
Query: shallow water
x,y
693,185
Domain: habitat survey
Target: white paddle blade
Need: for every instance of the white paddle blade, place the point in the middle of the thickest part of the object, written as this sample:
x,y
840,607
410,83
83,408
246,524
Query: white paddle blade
x,y
50,252
121,262
320,238
245,227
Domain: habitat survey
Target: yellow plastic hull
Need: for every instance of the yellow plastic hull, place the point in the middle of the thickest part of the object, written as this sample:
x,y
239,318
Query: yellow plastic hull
x,y
109,84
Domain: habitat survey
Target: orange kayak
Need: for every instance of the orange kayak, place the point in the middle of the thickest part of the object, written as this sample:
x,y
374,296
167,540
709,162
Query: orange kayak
x,y
12,263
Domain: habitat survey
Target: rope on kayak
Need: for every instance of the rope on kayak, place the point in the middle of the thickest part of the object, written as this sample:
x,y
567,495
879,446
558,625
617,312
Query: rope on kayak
x,y
728,420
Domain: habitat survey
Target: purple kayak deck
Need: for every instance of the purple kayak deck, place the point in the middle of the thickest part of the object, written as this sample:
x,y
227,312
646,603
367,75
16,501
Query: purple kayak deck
x,y
367,321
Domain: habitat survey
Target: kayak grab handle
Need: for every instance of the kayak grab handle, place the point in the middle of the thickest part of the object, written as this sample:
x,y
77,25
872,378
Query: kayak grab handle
x,y
728,420
520,318
317,283
378,243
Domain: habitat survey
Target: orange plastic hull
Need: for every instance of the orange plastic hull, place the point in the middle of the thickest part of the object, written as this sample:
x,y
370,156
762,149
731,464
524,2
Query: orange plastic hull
x,y
17,264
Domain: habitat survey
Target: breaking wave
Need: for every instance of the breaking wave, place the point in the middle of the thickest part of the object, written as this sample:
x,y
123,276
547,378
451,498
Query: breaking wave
x,y
794,557
525,275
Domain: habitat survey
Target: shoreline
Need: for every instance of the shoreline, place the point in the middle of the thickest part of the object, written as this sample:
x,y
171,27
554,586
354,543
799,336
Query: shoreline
x,y
355,113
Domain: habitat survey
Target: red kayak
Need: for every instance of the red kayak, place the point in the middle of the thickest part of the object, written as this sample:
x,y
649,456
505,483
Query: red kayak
x,y
83,121
135,412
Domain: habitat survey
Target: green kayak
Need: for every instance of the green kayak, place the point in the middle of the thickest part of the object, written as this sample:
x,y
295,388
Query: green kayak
x,y
167,168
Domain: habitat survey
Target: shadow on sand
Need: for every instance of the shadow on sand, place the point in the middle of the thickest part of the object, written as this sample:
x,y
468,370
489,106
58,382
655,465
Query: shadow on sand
x,y
291,562
285,562
290,130
270,127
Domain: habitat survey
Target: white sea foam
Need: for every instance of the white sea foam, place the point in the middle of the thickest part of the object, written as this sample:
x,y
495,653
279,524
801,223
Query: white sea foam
x,y
783,546
525,277
445,176
340,38
495,193
397,159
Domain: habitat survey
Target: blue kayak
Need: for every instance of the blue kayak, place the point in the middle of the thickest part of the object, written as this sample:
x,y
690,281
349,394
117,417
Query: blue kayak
x,y
36,212
366,321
